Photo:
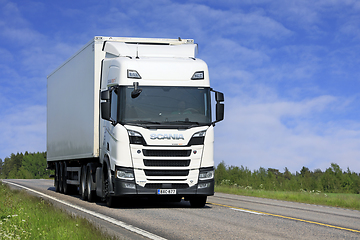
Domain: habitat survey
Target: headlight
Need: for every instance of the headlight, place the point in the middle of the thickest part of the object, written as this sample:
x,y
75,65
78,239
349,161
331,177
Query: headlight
x,y
124,175
200,134
206,175
197,139
136,138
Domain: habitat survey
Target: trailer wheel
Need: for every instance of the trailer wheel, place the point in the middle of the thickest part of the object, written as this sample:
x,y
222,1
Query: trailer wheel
x,y
91,194
56,178
66,187
198,201
61,178
82,188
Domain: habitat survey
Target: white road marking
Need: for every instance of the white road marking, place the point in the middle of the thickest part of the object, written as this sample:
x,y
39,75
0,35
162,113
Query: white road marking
x,y
241,210
98,215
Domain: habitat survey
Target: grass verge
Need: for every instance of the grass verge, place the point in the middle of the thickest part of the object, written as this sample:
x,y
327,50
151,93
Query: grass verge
x,y
350,201
23,216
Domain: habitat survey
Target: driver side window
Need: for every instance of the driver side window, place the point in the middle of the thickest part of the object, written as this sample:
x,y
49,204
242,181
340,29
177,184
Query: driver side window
x,y
114,103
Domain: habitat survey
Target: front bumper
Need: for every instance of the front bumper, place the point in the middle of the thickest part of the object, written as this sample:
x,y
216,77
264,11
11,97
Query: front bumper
x,y
121,188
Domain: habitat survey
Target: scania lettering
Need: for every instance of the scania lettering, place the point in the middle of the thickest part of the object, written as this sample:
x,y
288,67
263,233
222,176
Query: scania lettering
x,y
133,117
167,136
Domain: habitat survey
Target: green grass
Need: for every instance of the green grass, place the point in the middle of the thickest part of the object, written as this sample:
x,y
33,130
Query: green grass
x,y
350,201
23,216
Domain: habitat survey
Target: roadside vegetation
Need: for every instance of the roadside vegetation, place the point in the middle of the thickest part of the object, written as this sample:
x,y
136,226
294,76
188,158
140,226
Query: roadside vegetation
x,y
24,166
333,187
23,216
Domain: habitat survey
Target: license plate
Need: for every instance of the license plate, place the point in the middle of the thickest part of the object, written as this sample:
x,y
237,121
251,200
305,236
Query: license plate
x,y
166,191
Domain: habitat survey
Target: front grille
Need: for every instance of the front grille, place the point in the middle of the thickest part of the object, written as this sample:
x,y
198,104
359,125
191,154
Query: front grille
x,y
166,153
166,163
166,172
173,185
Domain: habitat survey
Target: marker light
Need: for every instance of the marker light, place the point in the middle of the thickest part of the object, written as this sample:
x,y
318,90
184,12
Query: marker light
x,y
133,74
198,75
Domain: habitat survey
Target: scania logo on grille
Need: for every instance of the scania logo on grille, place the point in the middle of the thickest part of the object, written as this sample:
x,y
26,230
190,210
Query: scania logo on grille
x,y
167,136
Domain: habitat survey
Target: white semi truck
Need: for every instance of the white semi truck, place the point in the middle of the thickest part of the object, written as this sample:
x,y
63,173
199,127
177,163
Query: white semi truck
x,y
131,117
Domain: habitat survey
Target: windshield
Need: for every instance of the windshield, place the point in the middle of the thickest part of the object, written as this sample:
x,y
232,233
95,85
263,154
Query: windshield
x,y
165,105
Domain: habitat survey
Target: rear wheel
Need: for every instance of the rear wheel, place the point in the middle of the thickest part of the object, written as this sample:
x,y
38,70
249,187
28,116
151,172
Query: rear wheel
x,y
198,202
82,188
66,187
61,178
56,179
91,194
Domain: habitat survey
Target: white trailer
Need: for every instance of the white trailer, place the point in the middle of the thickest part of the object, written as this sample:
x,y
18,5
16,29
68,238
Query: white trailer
x,y
131,117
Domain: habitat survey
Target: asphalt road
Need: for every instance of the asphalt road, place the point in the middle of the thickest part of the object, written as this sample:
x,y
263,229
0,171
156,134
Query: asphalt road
x,y
225,216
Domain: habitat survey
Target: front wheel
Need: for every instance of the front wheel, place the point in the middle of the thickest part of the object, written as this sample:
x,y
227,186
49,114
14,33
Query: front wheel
x,y
198,202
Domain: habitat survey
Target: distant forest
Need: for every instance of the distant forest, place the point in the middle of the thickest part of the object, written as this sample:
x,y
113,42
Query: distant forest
x,y
332,180
21,166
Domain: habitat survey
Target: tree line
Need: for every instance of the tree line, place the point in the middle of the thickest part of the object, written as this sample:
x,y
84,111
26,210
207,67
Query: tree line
x,y
24,166
332,180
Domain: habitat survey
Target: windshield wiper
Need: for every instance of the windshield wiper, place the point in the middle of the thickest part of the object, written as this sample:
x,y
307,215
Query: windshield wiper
x,y
143,122
185,121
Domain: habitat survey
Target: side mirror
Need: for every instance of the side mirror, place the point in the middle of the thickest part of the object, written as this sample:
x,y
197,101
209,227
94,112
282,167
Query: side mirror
x,y
105,95
105,111
219,112
137,90
219,97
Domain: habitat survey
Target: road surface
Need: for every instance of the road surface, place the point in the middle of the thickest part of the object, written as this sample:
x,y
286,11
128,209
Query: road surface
x,y
225,216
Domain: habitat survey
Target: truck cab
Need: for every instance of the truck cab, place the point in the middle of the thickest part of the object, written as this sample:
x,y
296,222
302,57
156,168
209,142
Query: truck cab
x,y
158,133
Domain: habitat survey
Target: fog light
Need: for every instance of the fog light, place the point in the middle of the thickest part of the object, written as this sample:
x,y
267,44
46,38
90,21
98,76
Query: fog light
x,y
129,185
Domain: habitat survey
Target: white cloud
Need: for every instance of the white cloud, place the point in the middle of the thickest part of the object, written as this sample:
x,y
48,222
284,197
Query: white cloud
x,y
255,134
274,60
23,128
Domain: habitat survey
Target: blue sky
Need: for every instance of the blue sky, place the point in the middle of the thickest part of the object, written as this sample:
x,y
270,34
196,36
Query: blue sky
x,y
288,69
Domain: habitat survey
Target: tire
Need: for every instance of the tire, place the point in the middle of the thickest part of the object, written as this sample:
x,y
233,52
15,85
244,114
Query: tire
x,y
111,201
198,202
61,178
107,185
82,187
66,187
56,178
91,194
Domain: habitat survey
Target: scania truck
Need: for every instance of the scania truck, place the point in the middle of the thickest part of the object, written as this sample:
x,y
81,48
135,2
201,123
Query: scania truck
x,y
133,117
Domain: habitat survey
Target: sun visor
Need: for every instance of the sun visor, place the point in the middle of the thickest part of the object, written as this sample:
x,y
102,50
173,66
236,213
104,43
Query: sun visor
x,y
150,50
120,49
